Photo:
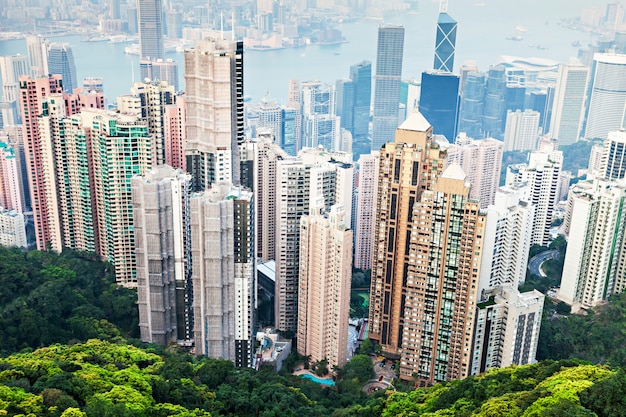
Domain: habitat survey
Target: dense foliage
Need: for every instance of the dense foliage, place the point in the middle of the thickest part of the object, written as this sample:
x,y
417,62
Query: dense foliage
x,y
598,336
99,378
50,298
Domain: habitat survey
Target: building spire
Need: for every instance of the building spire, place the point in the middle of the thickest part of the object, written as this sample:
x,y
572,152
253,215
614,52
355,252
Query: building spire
x,y
443,6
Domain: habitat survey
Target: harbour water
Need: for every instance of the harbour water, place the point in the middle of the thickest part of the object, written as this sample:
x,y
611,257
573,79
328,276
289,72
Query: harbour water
x,y
482,31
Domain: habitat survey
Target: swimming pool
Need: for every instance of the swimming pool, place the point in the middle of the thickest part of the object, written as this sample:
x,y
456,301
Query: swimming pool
x,y
313,378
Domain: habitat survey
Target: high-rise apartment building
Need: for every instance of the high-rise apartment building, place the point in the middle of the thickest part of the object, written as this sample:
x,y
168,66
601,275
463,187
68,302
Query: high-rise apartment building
x,y
521,131
507,239
150,18
407,167
569,103
507,329
215,111
175,133
120,149
445,42
364,226
12,228
324,285
439,102
388,75
271,117
444,248
613,159
11,194
314,174
223,273
542,175
481,160
61,61
160,201
149,100
594,256
32,97
605,112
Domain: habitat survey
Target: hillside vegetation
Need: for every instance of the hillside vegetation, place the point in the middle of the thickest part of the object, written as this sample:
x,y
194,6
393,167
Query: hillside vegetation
x,y
100,378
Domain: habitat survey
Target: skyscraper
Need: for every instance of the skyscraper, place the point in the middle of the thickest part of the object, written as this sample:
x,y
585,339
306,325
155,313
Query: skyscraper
x,y
215,111
472,104
481,160
439,102
542,174
223,272
11,67
32,96
11,194
389,56
569,103
613,159
608,98
364,227
121,148
445,42
443,271
361,76
299,181
595,249
160,200
149,100
324,285
319,122
160,70
37,56
150,17
494,109
61,61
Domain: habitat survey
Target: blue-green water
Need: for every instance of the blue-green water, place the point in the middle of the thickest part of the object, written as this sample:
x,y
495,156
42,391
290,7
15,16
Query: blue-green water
x,y
482,30
313,378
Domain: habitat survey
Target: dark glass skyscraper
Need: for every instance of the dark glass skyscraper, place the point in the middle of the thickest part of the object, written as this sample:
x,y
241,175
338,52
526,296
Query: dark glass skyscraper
x,y
439,102
150,17
445,43
494,110
61,61
387,93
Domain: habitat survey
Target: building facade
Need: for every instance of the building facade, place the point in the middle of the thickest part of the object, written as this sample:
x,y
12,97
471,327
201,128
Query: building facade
x,y
605,112
568,108
366,203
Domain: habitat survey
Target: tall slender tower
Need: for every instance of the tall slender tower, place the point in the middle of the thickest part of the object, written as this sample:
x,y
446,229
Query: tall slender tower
x,y
445,41
160,201
366,203
387,88
32,97
150,17
215,112
606,103
324,285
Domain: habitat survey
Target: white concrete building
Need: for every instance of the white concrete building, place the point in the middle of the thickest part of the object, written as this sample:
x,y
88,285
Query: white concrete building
x,y
608,95
595,226
366,205
12,228
521,131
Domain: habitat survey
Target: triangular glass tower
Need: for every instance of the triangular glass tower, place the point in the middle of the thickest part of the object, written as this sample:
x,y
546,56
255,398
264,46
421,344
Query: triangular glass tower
x,y
445,43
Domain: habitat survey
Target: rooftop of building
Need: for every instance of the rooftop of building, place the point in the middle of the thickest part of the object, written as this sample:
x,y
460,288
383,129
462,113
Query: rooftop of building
x,y
415,122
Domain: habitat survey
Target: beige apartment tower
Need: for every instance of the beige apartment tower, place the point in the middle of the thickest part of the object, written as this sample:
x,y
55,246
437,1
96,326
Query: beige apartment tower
x,y
215,113
324,286
366,205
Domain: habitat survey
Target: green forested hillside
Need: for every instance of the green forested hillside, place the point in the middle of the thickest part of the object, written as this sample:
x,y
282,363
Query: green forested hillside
x,y
100,378
49,298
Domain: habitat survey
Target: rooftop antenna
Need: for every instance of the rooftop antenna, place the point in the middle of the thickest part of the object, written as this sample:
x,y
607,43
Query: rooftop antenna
x,y
443,6
221,25
232,26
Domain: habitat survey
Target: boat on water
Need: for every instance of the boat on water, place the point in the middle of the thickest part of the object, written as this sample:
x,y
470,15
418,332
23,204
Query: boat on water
x,y
517,38
576,43
521,28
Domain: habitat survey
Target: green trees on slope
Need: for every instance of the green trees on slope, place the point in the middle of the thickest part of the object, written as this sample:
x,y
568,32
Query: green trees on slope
x,y
49,298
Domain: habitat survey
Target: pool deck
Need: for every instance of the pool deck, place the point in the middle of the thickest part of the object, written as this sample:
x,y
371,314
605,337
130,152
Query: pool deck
x,y
299,372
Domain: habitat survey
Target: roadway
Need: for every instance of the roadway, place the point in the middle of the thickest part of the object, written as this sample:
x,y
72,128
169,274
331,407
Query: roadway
x,y
534,265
